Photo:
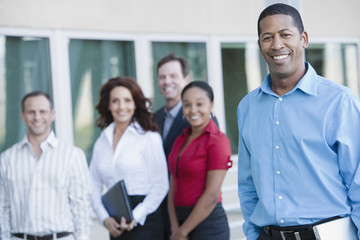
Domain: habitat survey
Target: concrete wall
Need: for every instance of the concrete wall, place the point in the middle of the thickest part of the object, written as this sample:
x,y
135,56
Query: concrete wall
x,y
170,16
228,17
331,18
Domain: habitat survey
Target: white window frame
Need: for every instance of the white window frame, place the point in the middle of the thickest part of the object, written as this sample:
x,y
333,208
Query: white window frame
x,y
64,88
213,61
342,40
60,72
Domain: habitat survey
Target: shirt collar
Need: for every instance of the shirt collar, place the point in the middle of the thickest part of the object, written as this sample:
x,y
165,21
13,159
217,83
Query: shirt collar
x,y
307,83
174,111
51,140
211,127
134,127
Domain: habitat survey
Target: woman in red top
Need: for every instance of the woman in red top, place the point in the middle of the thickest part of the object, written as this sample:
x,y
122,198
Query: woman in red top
x,y
198,163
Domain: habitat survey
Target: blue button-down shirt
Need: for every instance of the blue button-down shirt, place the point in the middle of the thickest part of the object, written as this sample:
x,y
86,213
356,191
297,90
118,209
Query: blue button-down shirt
x,y
299,154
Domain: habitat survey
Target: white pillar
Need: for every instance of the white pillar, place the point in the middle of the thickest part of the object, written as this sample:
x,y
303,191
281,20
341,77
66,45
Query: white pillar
x,y
252,66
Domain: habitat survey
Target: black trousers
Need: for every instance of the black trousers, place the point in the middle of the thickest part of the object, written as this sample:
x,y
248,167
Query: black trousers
x,y
265,235
153,227
214,227
166,219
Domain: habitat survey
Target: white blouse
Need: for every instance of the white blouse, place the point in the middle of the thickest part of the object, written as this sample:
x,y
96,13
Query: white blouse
x,y
139,159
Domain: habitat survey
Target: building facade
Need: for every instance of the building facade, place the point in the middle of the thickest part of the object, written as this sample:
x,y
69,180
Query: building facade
x,y
69,48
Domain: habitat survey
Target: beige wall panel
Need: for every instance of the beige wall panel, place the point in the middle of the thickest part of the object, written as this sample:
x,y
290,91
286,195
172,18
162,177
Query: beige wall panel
x,y
332,18
165,16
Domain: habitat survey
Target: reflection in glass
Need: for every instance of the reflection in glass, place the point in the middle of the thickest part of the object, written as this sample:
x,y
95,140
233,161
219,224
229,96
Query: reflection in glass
x,y
244,69
195,53
2,92
337,62
92,63
24,67
242,73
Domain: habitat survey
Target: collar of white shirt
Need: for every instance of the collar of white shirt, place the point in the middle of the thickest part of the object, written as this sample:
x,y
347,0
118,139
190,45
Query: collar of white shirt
x,y
134,127
51,140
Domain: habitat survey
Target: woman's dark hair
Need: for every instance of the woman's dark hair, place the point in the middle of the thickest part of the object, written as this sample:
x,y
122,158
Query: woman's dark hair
x,y
282,9
142,114
200,84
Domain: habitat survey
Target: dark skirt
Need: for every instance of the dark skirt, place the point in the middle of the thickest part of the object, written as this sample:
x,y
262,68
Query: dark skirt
x,y
152,229
214,227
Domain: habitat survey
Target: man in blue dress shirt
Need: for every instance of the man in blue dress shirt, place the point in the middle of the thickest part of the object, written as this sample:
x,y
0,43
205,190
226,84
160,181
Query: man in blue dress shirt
x,y
299,141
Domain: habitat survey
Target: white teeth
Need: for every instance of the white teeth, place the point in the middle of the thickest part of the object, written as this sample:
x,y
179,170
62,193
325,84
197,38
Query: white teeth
x,y
168,89
280,57
195,117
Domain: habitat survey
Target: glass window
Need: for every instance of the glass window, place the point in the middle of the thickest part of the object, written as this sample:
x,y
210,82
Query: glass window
x,y
243,70
92,63
195,53
24,67
336,61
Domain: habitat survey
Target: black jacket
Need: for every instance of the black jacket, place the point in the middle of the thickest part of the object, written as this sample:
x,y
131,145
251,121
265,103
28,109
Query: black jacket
x,y
177,127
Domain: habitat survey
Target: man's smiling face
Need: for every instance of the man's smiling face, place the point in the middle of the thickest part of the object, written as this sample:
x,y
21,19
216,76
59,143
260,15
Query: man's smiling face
x,y
282,46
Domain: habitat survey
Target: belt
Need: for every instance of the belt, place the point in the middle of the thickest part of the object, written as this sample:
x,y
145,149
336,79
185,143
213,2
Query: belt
x,y
301,232
45,237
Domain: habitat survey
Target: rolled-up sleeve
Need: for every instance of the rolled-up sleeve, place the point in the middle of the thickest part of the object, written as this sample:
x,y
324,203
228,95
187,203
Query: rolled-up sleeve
x,y
347,142
246,189
79,195
158,178
4,202
97,185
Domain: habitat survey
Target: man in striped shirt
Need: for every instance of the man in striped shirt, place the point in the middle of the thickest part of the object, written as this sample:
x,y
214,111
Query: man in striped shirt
x,y
44,182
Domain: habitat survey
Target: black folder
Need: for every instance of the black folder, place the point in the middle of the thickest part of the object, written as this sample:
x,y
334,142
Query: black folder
x,y
116,202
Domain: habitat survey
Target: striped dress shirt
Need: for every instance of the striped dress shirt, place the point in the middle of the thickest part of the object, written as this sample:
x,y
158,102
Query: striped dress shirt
x,y
46,195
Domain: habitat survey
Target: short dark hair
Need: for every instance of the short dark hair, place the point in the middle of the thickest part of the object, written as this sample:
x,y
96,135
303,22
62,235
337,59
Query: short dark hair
x,y
35,94
185,66
282,9
202,85
143,105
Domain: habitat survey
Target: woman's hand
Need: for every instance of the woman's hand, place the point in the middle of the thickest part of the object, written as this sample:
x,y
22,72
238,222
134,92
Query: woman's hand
x,y
127,226
178,235
117,229
113,227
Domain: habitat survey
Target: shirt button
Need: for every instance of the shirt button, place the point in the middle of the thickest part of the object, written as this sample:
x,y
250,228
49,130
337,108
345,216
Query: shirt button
x,y
277,147
277,122
280,99
278,172
280,197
